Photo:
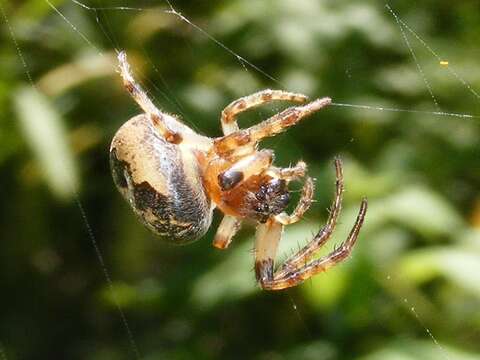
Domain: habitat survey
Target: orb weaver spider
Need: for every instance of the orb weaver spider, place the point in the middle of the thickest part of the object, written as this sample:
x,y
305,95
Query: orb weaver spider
x,y
173,178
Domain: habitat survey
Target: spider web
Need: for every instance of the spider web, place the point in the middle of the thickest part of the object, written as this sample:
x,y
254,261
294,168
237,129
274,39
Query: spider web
x,y
406,33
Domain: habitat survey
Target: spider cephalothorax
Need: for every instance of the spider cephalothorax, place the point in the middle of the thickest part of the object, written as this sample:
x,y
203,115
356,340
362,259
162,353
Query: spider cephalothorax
x,y
173,178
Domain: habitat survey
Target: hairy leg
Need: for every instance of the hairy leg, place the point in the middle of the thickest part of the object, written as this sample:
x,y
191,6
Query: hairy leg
x,y
229,114
141,98
285,279
291,173
225,145
267,238
300,266
226,231
270,280
326,231
302,206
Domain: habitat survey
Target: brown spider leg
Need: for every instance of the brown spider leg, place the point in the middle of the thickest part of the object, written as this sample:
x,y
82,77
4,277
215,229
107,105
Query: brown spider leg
x,y
270,127
269,234
226,231
326,231
289,117
299,267
139,95
286,279
302,206
267,237
167,125
291,173
229,114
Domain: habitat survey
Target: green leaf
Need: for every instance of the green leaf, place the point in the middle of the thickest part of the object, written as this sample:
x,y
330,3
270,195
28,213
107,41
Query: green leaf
x,y
44,132
230,280
459,265
421,209
419,350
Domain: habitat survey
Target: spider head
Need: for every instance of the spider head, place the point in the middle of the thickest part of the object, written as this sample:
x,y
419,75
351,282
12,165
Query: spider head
x,y
271,198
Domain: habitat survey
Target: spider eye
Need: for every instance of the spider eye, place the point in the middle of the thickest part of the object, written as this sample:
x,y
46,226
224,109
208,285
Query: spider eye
x,y
261,208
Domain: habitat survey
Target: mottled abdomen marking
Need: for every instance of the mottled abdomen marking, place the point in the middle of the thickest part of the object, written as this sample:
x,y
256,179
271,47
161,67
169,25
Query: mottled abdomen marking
x,y
161,181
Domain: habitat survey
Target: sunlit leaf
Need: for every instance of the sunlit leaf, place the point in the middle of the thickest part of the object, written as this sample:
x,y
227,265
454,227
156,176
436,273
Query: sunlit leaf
x,y
459,265
419,350
118,294
231,279
44,132
324,290
313,351
422,210
148,293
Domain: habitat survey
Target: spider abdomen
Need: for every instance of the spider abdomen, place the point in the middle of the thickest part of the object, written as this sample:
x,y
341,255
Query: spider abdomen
x,y
161,181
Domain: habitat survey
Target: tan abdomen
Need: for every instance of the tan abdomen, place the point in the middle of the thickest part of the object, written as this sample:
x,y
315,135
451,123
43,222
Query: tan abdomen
x,y
161,181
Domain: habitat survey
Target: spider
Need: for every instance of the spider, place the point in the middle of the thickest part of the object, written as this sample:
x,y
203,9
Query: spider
x,y
173,178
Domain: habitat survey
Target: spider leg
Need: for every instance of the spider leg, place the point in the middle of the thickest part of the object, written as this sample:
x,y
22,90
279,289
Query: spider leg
x,y
302,206
133,87
284,279
289,117
267,238
248,138
226,231
173,130
141,98
294,173
229,114
291,173
300,267
326,231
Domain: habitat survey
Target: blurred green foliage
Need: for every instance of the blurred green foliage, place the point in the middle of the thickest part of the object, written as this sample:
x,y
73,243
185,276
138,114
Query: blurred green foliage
x,y
411,289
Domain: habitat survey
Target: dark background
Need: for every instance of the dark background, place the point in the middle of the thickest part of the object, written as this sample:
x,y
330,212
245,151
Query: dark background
x,y
414,278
